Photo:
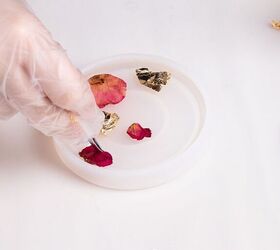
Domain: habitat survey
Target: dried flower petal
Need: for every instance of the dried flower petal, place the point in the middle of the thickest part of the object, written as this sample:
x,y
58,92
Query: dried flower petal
x,y
103,159
93,155
107,89
136,131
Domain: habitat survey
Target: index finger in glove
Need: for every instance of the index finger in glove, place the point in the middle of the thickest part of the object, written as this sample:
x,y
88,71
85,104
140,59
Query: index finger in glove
x,y
61,81
41,113
67,88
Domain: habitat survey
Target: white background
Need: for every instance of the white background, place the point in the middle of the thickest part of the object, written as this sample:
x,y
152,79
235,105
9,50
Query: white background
x,y
229,201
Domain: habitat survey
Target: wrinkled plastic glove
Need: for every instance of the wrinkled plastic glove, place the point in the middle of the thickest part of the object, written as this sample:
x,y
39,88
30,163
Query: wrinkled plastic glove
x,y
38,80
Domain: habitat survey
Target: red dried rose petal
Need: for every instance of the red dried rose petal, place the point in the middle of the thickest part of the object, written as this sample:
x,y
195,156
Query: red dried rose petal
x,y
136,131
93,155
88,152
103,159
107,89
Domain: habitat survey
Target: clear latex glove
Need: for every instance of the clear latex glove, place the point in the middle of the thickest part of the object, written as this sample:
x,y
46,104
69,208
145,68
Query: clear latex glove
x,y
38,80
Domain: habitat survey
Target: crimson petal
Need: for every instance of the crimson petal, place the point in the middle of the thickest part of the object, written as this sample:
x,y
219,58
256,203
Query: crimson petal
x,y
136,131
103,159
94,156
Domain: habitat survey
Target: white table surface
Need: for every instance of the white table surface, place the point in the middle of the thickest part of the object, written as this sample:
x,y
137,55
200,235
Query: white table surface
x,y
229,201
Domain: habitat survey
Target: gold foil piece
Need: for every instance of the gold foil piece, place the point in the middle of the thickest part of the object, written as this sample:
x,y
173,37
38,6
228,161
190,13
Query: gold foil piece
x,y
110,122
153,80
275,24
72,118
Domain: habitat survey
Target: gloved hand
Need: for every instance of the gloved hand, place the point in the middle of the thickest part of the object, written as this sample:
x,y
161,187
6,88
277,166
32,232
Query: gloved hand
x,y
38,80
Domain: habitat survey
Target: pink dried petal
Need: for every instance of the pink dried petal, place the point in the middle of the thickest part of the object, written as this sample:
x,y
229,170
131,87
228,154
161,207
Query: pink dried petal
x,y
136,131
107,89
93,155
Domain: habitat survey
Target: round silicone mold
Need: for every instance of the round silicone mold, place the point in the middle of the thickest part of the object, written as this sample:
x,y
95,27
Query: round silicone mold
x,y
176,116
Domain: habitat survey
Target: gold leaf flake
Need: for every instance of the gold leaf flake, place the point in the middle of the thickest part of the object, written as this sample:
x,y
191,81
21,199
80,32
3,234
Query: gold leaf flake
x,y
153,80
72,118
275,24
110,122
